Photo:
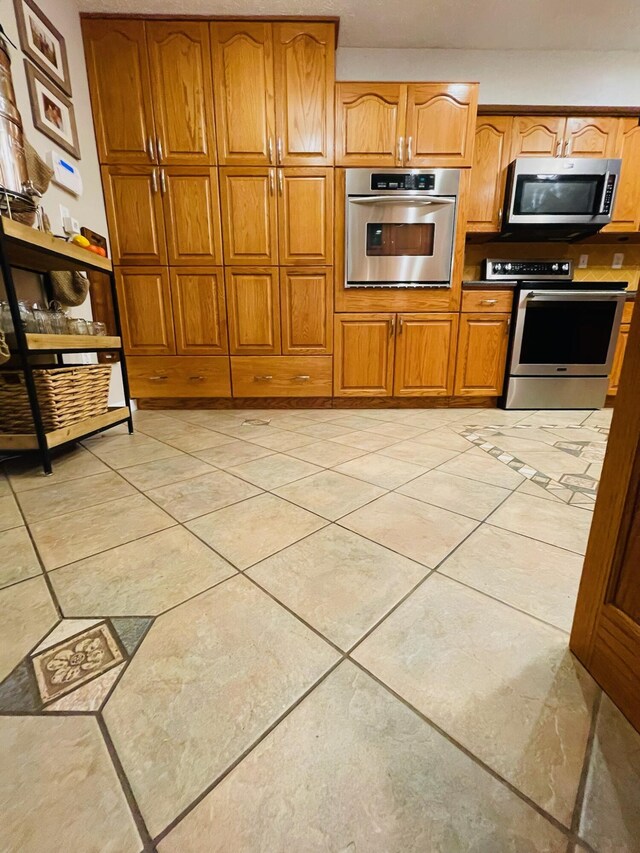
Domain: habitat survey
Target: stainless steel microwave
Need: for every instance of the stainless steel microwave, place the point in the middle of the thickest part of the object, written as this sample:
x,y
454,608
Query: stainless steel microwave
x,y
561,195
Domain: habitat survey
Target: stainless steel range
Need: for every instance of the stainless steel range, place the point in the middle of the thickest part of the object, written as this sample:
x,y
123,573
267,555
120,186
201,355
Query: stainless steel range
x,y
563,335
400,227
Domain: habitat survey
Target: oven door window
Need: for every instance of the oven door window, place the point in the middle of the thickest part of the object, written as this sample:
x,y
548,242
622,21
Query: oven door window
x,y
559,195
400,239
565,333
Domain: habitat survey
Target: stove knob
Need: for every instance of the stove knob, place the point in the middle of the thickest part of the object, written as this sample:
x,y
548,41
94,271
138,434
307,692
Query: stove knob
x,y
507,267
554,267
565,267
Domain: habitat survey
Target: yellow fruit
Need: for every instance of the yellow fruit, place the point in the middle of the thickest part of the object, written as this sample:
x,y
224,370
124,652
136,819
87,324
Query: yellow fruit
x,y
79,240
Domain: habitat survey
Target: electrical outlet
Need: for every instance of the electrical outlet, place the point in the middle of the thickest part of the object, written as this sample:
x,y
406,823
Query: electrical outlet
x,y
583,262
64,215
618,260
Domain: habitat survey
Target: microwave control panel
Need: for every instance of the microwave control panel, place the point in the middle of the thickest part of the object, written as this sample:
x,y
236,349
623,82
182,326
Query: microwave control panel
x,y
506,270
399,181
608,195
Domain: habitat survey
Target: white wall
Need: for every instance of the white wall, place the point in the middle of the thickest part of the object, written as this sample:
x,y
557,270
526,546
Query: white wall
x,y
607,78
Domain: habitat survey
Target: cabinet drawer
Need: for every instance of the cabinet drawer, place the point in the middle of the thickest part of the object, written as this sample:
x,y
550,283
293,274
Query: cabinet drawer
x,y
179,376
281,376
487,300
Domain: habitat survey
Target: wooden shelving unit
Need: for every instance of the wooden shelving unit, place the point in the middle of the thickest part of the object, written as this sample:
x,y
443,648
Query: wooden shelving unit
x,y
26,248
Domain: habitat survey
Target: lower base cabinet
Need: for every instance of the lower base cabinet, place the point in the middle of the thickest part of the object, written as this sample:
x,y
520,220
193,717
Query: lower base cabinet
x,y
482,354
281,376
179,376
384,355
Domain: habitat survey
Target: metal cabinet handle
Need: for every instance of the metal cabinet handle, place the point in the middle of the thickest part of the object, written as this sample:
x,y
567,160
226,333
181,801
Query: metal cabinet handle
x,y
567,148
488,301
159,149
150,149
157,378
409,149
400,149
559,148
279,150
154,180
271,182
507,325
163,182
280,182
270,144
392,326
197,378
302,378
263,378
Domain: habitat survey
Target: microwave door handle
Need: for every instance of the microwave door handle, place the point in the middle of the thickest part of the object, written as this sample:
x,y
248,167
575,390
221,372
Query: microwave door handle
x,y
402,199
603,201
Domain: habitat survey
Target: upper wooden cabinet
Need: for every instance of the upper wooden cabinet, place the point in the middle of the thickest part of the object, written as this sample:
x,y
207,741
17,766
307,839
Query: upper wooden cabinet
x,y
489,172
253,300
537,136
249,215
482,354
274,92
118,71
626,210
145,302
182,92
556,136
425,355
192,214
440,124
396,124
200,316
591,137
133,200
305,216
306,300
304,75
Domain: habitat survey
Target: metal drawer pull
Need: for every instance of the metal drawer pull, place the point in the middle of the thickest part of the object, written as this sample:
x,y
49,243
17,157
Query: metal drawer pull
x,y
263,378
302,378
197,378
488,301
157,378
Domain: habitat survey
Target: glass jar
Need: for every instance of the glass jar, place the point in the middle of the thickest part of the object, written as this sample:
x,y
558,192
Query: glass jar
x,y
98,328
6,320
26,316
42,319
58,321
78,326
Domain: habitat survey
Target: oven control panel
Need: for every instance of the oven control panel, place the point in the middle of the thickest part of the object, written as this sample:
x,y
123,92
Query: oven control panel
x,y
507,270
403,181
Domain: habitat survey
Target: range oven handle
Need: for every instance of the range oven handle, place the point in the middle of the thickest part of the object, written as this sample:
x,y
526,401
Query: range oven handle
x,y
403,199
577,295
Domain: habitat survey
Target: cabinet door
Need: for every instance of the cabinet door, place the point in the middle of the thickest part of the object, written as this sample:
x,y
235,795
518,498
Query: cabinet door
x,y
305,216
626,211
306,298
243,71
144,299
199,313
537,136
134,212
591,137
363,359
253,311
425,355
618,359
305,77
440,124
489,172
118,72
370,119
182,92
192,215
482,355
249,229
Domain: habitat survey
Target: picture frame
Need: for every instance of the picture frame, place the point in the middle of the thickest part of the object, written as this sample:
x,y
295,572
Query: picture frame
x,y
52,111
43,43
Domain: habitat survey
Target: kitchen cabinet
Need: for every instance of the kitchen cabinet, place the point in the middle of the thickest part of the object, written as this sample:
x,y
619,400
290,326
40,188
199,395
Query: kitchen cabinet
x,y
133,203
395,124
305,221
482,354
626,210
281,376
557,136
425,355
253,309
179,376
306,300
489,172
591,137
191,205
119,83
274,92
249,218
537,136
144,296
181,92
363,355
618,359
199,311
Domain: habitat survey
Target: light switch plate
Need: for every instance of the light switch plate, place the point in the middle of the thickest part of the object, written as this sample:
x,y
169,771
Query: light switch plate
x,y
618,260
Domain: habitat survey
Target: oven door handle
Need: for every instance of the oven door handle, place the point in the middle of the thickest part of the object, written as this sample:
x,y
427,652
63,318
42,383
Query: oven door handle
x,y
402,199
578,296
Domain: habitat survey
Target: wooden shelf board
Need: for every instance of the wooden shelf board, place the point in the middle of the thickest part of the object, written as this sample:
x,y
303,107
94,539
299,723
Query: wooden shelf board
x,y
31,249
28,441
71,342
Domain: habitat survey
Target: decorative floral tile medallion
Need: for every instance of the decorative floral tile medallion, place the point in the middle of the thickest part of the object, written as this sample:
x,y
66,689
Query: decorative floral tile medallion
x,y
76,660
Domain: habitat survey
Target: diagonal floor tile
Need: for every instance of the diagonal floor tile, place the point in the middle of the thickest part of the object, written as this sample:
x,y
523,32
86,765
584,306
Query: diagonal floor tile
x,y
164,472
419,454
281,440
63,764
326,453
364,440
254,529
354,422
68,464
401,432
338,582
554,523
234,453
381,470
467,497
273,471
143,577
383,782
27,614
10,515
503,685
190,498
419,531
444,437
210,677
123,450
477,465
18,560
60,498
535,577
79,534
322,430
330,494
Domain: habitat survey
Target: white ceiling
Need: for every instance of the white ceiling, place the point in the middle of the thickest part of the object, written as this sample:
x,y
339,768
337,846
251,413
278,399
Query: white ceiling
x,y
483,24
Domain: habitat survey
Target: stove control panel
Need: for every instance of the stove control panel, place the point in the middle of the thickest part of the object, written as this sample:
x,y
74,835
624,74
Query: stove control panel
x,y
399,181
505,270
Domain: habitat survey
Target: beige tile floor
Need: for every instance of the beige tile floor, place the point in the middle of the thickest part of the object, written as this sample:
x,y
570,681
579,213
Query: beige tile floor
x,y
358,641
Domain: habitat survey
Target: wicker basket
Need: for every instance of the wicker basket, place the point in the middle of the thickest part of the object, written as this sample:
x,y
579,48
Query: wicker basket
x,y
66,395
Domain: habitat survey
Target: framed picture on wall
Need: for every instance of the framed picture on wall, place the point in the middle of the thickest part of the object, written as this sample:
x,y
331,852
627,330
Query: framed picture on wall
x,y
42,43
52,111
